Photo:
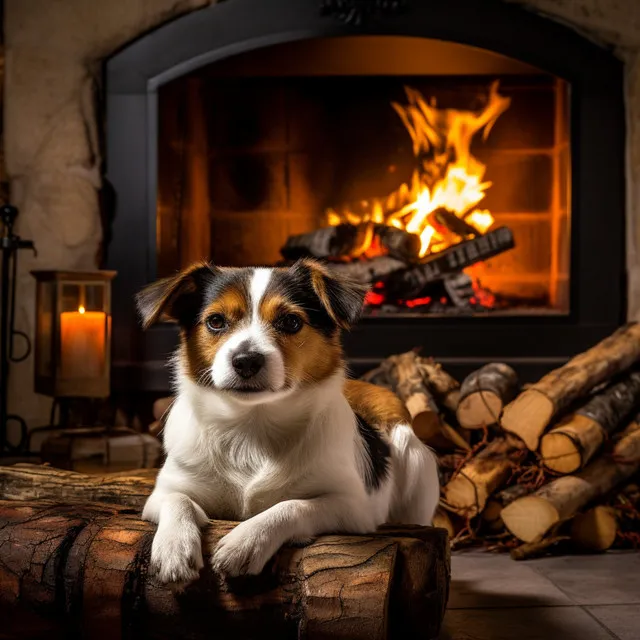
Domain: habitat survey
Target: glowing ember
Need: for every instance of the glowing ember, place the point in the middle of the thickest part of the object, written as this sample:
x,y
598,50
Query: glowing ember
x,y
448,177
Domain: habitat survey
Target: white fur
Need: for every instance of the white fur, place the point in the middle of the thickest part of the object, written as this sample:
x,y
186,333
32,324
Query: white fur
x,y
290,468
254,331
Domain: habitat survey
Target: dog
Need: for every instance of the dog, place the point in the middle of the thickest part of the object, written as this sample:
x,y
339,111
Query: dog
x,y
265,427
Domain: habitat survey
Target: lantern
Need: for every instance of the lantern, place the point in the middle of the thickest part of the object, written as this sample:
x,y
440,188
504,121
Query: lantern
x,y
73,333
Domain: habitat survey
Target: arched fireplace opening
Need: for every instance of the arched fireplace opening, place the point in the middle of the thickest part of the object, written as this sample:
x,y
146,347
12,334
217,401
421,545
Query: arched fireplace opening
x,y
494,137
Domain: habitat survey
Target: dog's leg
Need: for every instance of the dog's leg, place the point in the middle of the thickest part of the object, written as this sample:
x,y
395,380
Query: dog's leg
x,y
417,486
176,551
253,542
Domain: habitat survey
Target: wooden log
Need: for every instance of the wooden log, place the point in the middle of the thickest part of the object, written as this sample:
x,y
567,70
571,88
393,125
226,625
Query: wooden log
x,y
82,571
36,482
406,379
346,240
530,518
569,446
530,550
444,387
368,271
326,242
533,410
492,514
411,282
467,492
484,393
596,529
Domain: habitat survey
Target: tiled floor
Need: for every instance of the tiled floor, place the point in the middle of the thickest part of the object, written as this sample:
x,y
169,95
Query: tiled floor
x,y
571,597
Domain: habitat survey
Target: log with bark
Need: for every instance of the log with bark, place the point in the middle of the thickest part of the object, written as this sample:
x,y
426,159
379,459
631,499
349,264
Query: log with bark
x,y
444,387
467,492
368,271
347,240
411,282
407,381
492,514
569,446
533,410
82,571
595,529
484,393
530,518
36,482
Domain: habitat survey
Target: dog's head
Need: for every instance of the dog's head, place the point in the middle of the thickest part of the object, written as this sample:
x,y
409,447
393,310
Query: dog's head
x,y
255,333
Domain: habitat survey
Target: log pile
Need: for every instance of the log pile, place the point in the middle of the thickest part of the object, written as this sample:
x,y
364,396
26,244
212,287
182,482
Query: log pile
x,y
389,258
76,569
533,470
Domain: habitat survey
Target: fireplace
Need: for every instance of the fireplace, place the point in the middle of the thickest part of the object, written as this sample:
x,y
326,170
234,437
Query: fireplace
x,y
473,179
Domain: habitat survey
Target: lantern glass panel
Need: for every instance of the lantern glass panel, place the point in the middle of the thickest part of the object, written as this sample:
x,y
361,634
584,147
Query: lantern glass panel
x,y
45,323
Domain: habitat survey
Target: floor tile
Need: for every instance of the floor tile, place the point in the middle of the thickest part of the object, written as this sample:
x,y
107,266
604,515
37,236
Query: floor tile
x,y
546,623
611,578
481,579
623,620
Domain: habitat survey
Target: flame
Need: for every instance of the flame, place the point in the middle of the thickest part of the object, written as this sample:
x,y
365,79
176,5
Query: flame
x,y
448,176
81,309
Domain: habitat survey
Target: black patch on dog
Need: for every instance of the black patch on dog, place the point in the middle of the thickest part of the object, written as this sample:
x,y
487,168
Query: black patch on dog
x,y
379,454
297,286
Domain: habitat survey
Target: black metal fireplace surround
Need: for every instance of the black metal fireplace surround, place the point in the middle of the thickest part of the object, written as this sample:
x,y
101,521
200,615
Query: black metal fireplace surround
x,y
532,344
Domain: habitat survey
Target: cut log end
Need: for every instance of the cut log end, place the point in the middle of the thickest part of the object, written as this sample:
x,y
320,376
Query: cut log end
x,y
596,529
527,417
529,518
567,448
479,409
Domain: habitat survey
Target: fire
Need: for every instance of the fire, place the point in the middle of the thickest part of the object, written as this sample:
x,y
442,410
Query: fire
x,y
448,180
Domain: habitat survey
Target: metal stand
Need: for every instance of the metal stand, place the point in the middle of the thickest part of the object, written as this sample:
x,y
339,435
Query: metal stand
x,y
10,244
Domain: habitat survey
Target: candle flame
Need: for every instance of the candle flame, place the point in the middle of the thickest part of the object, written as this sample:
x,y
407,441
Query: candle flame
x,y
81,309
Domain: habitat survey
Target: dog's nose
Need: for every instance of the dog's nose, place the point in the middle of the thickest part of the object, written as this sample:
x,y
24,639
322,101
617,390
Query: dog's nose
x,y
247,363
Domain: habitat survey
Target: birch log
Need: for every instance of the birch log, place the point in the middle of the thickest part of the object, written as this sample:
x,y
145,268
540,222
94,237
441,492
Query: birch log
x,y
531,517
569,446
484,393
533,410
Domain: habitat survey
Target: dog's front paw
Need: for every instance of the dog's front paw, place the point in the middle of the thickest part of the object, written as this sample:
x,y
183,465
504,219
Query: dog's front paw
x,y
244,551
176,556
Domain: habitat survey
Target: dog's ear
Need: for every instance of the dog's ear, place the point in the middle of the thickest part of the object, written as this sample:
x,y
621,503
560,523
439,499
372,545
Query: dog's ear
x,y
174,299
343,299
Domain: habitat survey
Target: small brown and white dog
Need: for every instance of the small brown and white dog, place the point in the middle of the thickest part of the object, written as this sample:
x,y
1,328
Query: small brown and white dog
x,y
266,429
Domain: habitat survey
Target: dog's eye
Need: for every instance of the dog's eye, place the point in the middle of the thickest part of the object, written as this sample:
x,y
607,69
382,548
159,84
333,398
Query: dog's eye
x,y
291,323
216,322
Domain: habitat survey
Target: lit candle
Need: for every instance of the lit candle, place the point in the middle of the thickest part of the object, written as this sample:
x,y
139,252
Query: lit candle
x,y
82,337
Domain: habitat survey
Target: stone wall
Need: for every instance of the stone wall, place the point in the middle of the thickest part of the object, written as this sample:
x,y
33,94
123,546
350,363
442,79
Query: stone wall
x,y
54,50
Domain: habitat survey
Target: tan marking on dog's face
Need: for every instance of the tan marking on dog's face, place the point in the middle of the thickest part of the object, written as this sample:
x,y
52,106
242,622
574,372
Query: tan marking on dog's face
x,y
309,356
201,345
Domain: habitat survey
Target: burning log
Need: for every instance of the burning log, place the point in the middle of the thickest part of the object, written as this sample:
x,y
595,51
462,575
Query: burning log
x,y
484,393
347,240
530,518
533,410
569,446
467,492
368,271
92,560
411,282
